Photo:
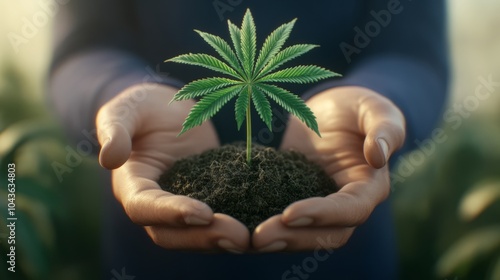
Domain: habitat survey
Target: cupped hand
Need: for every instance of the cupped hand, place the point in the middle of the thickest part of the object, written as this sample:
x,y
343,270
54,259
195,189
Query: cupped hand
x,y
360,130
138,132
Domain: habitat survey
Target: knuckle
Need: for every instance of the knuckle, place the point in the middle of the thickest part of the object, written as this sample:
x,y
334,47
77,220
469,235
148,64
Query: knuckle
x,y
155,237
364,210
130,208
159,239
361,208
343,238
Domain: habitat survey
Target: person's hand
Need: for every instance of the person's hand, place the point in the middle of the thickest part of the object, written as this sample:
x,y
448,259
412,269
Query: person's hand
x,y
360,130
138,133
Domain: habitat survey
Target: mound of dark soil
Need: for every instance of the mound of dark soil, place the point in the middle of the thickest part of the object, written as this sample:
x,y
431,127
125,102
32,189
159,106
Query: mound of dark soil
x,y
222,179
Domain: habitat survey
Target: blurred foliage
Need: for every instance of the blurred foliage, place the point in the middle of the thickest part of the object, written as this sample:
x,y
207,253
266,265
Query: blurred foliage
x,y
57,227
448,212
14,104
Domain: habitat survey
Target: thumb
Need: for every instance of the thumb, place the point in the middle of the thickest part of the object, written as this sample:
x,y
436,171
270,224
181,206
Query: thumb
x,y
384,127
115,129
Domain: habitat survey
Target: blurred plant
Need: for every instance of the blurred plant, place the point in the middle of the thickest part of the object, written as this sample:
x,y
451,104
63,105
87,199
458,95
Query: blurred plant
x,y
14,104
448,213
478,250
56,228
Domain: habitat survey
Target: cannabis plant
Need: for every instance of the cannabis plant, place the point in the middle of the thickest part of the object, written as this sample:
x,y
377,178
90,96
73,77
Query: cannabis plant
x,y
248,77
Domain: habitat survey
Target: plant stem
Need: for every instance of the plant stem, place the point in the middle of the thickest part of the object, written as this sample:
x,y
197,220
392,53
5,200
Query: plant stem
x,y
249,128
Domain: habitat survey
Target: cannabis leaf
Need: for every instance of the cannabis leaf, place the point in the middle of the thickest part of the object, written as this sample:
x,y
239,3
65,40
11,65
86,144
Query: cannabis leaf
x,y
249,76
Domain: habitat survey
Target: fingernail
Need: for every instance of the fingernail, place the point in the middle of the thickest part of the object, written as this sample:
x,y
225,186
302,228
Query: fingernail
x,y
196,221
104,145
385,148
300,222
274,247
229,246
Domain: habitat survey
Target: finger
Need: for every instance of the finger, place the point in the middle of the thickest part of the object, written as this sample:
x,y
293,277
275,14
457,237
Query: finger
x,y
115,129
116,147
135,187
146,204
349,207
224,233
273,236
384,126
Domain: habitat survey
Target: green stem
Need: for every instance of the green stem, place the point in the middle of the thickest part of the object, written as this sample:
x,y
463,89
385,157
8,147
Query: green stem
x,y
249,128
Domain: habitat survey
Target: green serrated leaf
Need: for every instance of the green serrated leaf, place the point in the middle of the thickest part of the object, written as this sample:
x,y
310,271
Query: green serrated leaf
x,y
202,87
273,44
222,48
263,107
248,43
206,61
299,74
209,106
241,107
284,56
235,33
291,103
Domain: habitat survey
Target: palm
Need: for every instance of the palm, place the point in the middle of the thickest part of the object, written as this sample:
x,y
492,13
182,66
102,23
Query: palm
x,y
156,145
351,121
143,144
340,149
154,125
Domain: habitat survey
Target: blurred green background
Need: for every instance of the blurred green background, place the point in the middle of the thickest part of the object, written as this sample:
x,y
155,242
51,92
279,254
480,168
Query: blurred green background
x,y
57,231
446,196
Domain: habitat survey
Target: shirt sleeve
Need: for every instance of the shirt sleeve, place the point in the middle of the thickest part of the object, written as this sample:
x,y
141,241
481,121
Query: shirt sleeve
x,y
94,60
399,49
